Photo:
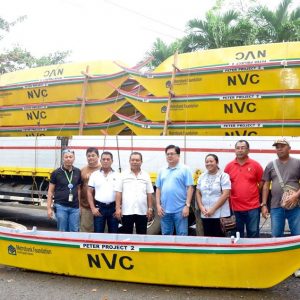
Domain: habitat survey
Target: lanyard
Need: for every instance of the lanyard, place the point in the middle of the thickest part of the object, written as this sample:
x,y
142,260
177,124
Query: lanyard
x,y
70,185
71,177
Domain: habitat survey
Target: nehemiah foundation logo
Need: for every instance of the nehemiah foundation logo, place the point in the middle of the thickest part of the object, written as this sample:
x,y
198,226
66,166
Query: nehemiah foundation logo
x,y
27,250
11,250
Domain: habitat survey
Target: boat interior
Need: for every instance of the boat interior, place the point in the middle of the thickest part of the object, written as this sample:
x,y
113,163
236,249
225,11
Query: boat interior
x,y
159,240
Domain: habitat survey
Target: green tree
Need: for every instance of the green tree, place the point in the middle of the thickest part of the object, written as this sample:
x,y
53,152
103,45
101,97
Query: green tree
x,y
219,30
5,26
245,23
160,51
279,25
18,58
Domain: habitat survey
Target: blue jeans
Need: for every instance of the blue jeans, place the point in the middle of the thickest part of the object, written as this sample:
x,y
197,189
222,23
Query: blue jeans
x,y
248,219
68,218
107,212
278,216
174,220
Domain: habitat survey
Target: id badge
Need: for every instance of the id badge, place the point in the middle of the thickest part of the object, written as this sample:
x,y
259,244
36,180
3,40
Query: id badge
x,y
70,197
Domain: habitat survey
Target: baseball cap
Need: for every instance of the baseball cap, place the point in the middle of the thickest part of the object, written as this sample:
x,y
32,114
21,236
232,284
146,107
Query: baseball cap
x,y
281,141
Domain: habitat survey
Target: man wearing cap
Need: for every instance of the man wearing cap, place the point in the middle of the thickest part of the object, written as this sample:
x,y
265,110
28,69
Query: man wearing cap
x,y
245,176
289,170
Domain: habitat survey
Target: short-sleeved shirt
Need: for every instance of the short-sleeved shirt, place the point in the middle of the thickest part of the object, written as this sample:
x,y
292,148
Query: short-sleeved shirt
x,y
59,178
85,176
134,189
104,185
211,187
173,184
244,179
290,173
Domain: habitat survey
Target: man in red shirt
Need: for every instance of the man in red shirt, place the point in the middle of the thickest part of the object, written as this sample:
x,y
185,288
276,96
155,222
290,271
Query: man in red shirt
x,y
246,183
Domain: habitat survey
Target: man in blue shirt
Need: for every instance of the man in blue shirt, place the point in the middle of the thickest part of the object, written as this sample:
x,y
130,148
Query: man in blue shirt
x,y
174,190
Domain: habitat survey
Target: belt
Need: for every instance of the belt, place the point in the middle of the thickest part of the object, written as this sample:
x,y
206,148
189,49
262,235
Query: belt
x,y
104,204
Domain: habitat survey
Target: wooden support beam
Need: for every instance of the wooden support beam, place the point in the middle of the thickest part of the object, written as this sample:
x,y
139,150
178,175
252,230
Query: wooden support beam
x,y
83,99
171,94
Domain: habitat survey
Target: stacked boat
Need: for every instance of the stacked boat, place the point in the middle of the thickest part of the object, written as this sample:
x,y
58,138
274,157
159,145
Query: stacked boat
x,y
62,100
249,90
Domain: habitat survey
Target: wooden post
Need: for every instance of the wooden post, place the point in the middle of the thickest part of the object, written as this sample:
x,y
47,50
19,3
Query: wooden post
x,y
171,94
83,100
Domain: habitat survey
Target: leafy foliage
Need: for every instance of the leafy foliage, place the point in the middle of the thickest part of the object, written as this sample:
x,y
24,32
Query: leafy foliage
x,y
218,30
18,58
241,25
279,25
5,26
160,51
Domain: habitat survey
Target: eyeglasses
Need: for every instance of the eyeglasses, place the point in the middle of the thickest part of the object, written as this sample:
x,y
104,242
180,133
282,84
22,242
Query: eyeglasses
x,y
67,151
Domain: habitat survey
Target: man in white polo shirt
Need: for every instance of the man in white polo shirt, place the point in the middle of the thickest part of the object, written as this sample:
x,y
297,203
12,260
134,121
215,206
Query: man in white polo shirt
x,y
134,197
103,207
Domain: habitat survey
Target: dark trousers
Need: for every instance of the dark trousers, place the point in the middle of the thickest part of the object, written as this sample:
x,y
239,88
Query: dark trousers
x,y
107,217
212,227
140,222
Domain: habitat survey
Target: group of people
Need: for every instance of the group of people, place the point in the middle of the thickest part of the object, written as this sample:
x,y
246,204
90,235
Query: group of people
x,y
97,196
235,190
243,189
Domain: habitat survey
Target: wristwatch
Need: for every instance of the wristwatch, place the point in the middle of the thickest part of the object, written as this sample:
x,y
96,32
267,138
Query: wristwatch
x,y
263,204
150,208
187,204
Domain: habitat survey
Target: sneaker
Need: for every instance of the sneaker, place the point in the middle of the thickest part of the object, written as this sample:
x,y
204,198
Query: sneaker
x,y
297,273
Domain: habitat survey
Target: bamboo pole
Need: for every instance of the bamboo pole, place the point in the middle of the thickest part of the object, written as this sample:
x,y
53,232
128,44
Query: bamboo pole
x,y
171,94
83,99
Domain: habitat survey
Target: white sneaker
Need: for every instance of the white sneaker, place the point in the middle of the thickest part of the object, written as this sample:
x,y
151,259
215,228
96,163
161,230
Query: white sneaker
x,y
297,273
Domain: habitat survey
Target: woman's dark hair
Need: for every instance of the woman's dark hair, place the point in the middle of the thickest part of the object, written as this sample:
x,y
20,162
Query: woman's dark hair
x,y
214,156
